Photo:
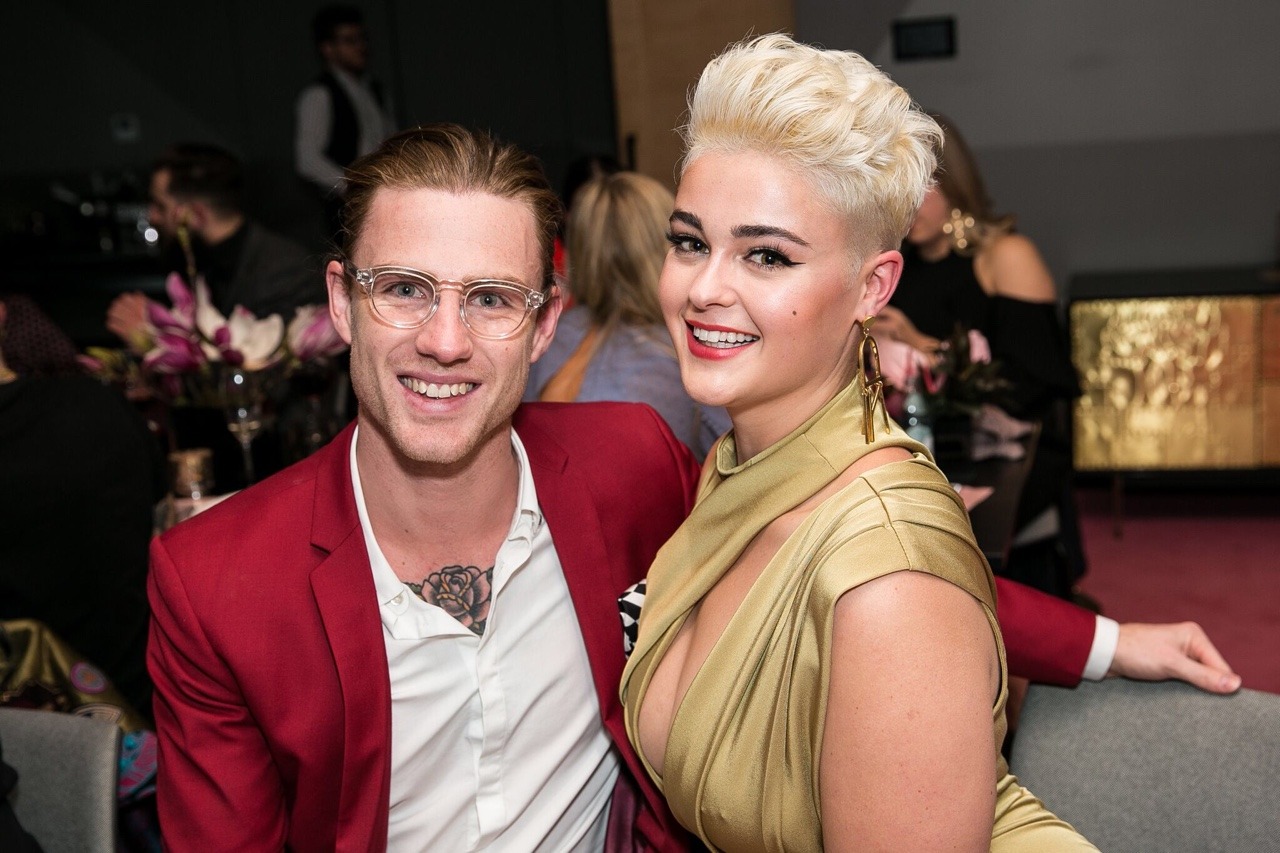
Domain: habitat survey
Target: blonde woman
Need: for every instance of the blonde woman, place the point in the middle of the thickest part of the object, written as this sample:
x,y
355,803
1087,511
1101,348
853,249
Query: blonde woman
x,y
819,665
612,345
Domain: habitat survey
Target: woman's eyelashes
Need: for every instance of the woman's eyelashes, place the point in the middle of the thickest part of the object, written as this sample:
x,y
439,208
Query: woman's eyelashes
x,y
768,256
686,244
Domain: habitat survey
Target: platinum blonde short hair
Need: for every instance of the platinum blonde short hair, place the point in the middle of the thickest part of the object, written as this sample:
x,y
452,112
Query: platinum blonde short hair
x,y
865,146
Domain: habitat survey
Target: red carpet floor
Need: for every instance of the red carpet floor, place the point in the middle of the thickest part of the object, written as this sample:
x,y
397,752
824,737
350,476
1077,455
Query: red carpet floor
x,y
1210,557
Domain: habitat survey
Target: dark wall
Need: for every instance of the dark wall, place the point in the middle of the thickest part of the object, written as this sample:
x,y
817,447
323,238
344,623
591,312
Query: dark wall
x,y
228,72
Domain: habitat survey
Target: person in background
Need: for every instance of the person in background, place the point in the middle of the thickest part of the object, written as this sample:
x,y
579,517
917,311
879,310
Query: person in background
x,y
582,170
964,264
344,113
612,345
32,344
197,207
79,479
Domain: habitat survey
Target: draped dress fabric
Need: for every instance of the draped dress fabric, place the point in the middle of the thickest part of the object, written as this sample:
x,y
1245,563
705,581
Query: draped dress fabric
x,y
741,765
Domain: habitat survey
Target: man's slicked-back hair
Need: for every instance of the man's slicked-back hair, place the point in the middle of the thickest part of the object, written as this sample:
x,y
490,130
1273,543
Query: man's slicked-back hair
x,y
455,159
868,150
204,172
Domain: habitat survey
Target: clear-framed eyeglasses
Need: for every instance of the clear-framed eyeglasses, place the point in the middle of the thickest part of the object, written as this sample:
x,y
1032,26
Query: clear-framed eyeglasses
x,y
407,298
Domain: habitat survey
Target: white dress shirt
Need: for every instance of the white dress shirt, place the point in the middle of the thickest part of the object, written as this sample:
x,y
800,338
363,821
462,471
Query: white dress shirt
x,y
314,114
1106,636
496,740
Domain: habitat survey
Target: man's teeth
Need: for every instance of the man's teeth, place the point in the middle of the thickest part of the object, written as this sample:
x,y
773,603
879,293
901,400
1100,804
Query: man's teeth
x,y
432,389
722,339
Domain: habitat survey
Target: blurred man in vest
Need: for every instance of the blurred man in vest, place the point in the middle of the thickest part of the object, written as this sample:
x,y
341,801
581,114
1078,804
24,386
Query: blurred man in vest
x,y
343,113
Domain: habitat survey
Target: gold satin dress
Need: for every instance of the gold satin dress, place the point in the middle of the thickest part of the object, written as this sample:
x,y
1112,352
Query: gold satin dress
x,y
741,765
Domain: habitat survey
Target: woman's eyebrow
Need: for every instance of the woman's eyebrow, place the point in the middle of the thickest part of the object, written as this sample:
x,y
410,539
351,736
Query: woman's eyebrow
x,y
687,218
767,231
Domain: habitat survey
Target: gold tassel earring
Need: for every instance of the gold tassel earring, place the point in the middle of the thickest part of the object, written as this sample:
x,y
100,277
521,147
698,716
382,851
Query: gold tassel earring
x,y
872,382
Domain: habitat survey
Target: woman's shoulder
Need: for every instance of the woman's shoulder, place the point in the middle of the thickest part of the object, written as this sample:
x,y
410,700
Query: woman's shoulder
x,y
1011,265
901,516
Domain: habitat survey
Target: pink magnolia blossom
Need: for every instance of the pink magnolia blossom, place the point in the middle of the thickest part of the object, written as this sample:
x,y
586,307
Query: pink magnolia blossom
x,y
241,340
979,348
90,364
174,353
311,334
180,318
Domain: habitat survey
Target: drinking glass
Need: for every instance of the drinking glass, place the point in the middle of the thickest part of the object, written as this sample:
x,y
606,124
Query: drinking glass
x,y
242,401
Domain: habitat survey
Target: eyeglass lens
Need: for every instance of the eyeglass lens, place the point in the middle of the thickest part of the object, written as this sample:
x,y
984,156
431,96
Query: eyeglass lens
x,y
489,308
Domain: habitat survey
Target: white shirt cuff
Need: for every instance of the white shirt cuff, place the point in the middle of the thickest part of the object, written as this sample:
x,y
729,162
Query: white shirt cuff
x,y
1106,636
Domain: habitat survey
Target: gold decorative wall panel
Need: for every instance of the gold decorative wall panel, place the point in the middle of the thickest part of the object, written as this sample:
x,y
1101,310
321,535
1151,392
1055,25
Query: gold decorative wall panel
x,y
1270,381
1177,383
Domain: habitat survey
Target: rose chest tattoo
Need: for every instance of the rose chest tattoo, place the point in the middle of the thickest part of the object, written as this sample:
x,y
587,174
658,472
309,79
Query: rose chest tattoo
x,y
461,591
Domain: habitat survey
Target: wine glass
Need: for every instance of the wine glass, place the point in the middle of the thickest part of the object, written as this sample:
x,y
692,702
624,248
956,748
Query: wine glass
x,y
242,400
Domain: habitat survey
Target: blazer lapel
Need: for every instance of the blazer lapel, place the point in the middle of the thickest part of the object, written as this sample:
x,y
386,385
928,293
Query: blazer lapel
x,y
343,587
565,499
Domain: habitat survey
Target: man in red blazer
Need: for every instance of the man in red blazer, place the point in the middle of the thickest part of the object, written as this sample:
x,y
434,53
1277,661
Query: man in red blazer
x,y
411,639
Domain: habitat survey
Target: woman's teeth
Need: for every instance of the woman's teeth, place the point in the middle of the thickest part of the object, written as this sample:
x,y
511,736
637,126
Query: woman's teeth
x,y
432,389
722,339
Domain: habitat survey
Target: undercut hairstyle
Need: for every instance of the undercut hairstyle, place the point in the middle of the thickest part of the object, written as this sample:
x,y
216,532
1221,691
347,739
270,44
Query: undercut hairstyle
x,y
960,181
616,240
324,26
201,172
454,159
835,118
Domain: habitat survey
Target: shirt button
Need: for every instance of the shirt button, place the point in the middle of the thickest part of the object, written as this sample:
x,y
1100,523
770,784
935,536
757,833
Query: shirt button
x,y
398,599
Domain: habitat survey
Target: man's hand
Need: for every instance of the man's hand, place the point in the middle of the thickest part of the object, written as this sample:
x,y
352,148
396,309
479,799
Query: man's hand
x,y
1177,650
127,320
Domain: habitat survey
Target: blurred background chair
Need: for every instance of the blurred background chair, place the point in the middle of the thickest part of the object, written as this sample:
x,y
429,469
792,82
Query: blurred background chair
x,y
1158,767
67,767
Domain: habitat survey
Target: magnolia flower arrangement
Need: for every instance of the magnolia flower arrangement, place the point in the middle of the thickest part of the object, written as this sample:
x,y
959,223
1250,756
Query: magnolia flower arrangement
x,y
963,376
956,379
184,346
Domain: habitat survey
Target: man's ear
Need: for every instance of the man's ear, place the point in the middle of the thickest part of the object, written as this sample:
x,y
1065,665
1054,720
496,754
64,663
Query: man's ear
x,y
545,321
340,304
879,276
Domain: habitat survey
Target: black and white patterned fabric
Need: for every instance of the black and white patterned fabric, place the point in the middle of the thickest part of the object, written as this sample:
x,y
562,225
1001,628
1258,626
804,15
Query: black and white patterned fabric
x,y
629,604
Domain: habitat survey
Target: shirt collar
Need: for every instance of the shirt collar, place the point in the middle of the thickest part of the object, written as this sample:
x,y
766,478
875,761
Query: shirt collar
x,y
525,523
358,81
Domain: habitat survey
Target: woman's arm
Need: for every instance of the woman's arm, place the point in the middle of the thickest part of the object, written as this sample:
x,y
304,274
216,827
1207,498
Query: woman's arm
x,y
1026,333
895,325
909,755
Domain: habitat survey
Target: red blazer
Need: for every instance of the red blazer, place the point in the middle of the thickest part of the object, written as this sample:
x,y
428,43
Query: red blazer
x,y
272,691
273,700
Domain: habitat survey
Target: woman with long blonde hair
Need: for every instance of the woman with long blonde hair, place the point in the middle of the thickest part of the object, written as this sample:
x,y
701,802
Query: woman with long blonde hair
x,y
612,345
